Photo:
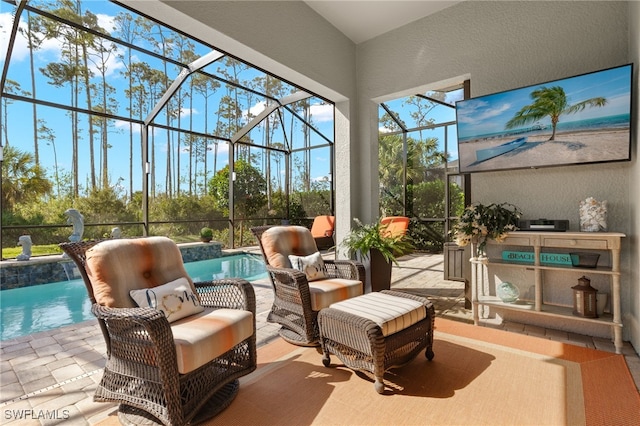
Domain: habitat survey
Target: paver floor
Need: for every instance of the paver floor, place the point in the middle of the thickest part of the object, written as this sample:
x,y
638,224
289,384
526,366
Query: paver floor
x,y
49,378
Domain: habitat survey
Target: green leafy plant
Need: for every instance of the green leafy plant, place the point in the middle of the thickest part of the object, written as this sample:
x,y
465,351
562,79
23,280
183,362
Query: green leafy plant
x,y
480,223
363,238
206,234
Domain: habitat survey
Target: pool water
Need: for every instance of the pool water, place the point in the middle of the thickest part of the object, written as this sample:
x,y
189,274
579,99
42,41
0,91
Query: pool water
x,y
28,310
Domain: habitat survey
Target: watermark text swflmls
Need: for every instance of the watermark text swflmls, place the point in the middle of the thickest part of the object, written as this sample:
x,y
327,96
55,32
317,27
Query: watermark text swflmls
x,y
32,414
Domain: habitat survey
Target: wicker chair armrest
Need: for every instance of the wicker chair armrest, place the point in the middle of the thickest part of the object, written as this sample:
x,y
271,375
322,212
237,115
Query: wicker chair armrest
x,y
142,315
349,269
230,293
291,285
146,329
289,276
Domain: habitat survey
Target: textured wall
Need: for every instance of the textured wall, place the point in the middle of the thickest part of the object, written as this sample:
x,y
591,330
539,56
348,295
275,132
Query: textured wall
x,y
632,319
287,38
500,46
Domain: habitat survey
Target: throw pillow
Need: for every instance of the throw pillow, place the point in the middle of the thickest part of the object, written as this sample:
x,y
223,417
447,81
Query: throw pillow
x,y
175,299
312,265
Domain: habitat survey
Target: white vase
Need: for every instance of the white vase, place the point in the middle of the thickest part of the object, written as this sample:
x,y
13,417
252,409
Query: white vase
x,y
601,302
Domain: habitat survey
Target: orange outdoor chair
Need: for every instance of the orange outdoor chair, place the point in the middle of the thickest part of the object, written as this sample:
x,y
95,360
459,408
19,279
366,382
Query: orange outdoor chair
x,y
394,226
322,231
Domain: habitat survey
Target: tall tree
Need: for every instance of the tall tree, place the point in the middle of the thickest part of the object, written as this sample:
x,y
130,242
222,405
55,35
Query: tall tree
x,y
100,53
46,134
128,30
206,86
162,42
34,41
550,102
69,70
420,114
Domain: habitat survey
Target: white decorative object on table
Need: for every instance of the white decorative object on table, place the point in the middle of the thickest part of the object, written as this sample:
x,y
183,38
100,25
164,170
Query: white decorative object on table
x,y
593,215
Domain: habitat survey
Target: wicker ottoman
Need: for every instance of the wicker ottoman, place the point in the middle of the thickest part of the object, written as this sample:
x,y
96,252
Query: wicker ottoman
x,y
377,331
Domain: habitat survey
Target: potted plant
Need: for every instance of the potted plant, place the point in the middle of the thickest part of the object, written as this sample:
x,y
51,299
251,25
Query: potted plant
x,y
206,235
480,222
377,250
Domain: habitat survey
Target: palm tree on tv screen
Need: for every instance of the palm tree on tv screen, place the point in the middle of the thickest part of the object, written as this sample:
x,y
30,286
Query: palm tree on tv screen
x,y
550,102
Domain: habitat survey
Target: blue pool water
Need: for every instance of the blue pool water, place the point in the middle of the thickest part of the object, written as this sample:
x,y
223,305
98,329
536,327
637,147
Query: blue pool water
x,y
27,310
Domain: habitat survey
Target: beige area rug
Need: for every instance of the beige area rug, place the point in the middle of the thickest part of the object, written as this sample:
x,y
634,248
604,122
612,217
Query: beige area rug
x,y
479,376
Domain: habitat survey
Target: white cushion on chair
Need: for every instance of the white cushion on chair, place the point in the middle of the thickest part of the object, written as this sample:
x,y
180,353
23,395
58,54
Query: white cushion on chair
x,y
202,337
391,313
312,265
175,299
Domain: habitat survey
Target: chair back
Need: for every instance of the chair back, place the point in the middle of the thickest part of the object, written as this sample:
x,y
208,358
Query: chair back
x,y
323,226
115,267
111,268
394,226
278,242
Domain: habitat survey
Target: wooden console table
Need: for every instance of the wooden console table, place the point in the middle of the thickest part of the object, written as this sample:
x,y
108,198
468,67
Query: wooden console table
x,y
544,242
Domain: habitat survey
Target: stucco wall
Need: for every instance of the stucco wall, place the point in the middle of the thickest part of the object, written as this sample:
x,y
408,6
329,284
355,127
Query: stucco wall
x,y
505,45
632,319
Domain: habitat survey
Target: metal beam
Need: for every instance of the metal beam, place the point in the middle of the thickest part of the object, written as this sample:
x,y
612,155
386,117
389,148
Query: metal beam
x,y
194,66
289,99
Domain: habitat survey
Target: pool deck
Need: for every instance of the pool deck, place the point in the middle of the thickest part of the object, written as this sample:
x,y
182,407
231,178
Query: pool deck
x,y
49,378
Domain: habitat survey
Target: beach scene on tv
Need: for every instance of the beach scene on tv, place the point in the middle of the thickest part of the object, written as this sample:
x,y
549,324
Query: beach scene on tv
x,y
581,119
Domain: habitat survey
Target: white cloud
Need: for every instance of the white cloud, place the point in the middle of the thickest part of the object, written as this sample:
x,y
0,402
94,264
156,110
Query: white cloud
x,y
322,112
106,22
20,47
120,124
52,47
254,110
186,112
223,147
20,50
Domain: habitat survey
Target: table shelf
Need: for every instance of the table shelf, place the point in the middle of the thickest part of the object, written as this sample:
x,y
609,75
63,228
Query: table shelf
x,y
541,242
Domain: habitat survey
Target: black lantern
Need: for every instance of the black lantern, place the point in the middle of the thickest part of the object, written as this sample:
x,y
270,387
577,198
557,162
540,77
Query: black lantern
x,y
584,299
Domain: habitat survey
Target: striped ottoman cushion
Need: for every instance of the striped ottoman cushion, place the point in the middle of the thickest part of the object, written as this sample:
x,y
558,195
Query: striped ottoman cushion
x,y
391,313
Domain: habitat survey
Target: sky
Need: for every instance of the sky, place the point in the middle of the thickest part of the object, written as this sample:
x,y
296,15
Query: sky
x,y
19,116
488,114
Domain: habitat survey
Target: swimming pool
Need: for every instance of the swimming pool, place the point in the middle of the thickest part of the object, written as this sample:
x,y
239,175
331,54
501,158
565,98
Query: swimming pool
x,y
28,310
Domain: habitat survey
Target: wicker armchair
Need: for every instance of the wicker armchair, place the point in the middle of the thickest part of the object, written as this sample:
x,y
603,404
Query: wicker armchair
x,y
161,370
297,299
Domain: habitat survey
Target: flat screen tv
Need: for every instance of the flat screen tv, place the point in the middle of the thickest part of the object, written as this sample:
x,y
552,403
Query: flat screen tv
x,y
577,120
